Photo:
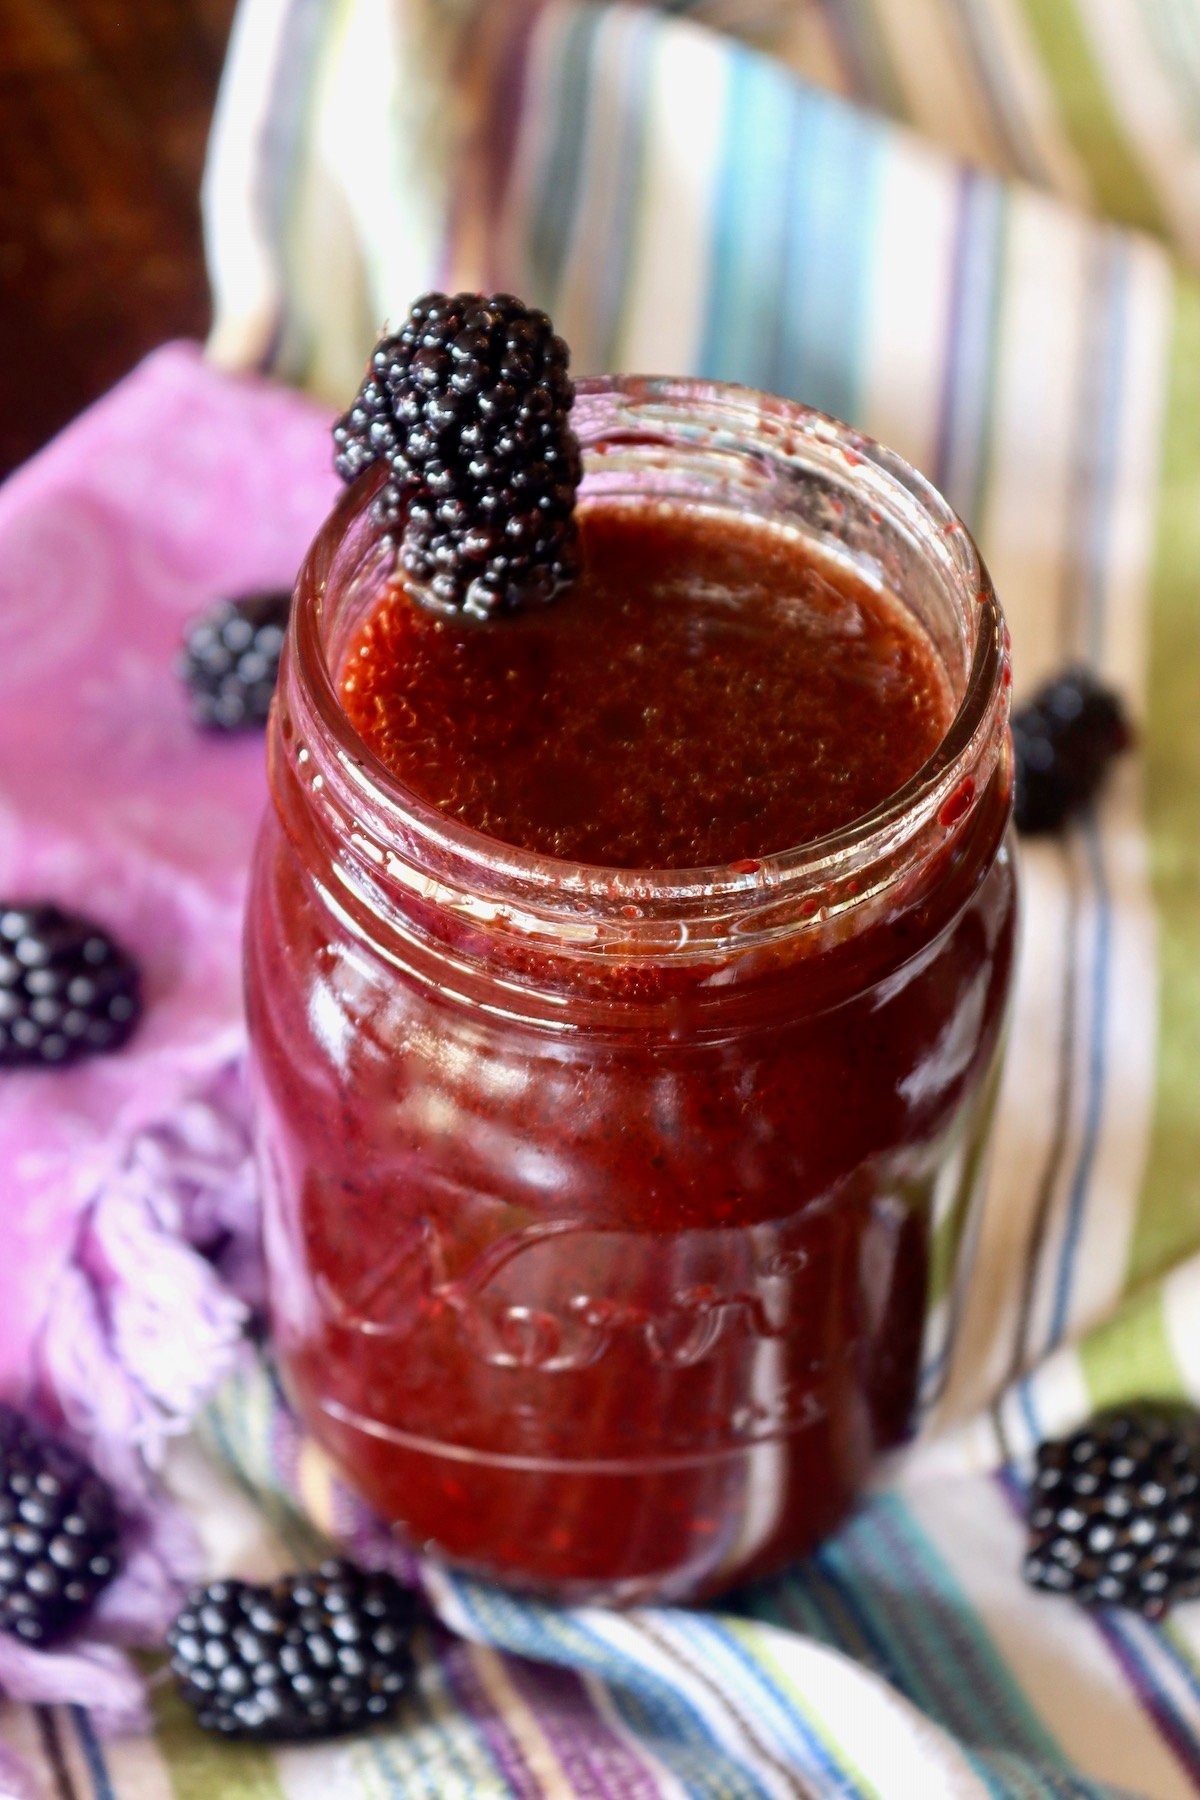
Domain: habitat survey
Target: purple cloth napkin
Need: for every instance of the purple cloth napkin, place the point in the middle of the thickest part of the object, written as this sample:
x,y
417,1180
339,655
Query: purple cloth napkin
x,y
122,1178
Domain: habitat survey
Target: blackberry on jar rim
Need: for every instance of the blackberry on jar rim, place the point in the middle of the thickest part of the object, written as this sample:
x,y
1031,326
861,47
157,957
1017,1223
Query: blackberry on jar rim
x,y
468,405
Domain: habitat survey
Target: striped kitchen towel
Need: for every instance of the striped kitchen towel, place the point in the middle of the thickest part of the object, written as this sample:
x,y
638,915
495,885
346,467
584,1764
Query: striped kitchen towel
x,y
1096,100
682,200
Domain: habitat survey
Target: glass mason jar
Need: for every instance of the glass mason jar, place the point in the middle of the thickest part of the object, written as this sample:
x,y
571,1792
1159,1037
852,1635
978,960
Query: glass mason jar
x,y
609,1213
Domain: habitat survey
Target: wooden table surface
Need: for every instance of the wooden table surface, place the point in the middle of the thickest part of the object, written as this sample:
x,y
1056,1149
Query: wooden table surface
x,y
104,111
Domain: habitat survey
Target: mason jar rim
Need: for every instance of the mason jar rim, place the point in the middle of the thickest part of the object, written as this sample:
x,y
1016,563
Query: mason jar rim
x,y
630,410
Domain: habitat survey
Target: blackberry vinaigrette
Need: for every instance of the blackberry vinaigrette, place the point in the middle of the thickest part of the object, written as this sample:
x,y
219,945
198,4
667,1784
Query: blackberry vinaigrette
x,y
710,692
627,977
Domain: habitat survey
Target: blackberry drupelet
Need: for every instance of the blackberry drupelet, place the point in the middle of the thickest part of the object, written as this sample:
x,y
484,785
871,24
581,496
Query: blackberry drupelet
x,y
469,406
230,659
1064,739
305,1656
1114,1513
66,989
58,1532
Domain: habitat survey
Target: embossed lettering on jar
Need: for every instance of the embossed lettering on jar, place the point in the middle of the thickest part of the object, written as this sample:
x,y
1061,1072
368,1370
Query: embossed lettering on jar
x,y
615,1220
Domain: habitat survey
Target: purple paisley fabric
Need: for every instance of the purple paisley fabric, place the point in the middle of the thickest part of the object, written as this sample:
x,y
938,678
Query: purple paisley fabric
x,y
127,1268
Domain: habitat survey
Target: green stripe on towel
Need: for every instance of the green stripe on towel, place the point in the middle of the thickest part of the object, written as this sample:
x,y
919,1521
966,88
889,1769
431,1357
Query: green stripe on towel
x,y
1169,1219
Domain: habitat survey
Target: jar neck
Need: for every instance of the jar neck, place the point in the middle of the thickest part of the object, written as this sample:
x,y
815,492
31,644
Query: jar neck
x,y
404,874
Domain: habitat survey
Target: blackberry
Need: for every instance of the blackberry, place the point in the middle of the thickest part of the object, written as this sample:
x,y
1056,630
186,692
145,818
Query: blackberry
x,y
58,1532
305,1656
1114,1514
469,406
230,659
66,989
1064,739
